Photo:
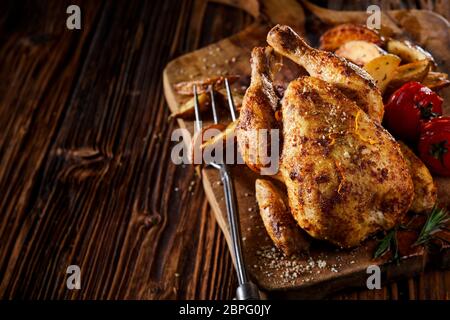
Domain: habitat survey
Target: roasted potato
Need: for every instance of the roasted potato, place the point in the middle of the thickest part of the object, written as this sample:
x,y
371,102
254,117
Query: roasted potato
x,y
436,80
186,87
359,52
226,134
280,224
414,71
199,139
337,36
408,52
425,193
382,69
186,110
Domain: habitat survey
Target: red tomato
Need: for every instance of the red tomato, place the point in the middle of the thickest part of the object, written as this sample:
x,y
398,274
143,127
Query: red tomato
x,y
434,145
408,107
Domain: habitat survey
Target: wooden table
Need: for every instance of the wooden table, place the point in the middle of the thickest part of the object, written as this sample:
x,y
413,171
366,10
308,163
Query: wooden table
x,y
85,171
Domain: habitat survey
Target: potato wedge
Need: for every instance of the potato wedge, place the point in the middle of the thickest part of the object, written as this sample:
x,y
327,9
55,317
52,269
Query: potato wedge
x,y
198,140
337,36
414,71
382,69
359,52
186,87
408,52
225,136
436,80
425,192
186,110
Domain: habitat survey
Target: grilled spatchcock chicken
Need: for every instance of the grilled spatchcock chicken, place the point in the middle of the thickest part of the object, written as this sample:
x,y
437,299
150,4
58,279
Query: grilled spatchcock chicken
x,y
345,175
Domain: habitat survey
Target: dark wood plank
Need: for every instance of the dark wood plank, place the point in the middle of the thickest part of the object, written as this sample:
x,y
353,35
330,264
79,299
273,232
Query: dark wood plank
x,y
85,176
105,195
40,62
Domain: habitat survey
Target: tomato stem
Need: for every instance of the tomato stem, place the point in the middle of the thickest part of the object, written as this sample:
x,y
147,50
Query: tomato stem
x,y
438,150
426,112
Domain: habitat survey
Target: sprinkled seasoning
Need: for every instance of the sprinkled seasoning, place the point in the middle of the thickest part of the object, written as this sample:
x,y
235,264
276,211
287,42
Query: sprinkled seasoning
x,y
321,264
273,263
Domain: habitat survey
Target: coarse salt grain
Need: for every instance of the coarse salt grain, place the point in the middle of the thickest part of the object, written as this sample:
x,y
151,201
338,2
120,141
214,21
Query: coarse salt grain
x,y
321,264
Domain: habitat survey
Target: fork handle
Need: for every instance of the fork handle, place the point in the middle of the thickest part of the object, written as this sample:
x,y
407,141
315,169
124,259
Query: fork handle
x,y
246,290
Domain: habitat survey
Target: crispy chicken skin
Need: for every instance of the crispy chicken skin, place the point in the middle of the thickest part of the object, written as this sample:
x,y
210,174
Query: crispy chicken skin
x,y
279,223
425,193
353,81
258,111
345,175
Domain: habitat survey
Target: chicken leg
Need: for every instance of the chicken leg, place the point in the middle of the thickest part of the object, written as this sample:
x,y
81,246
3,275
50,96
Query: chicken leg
x,y
257,115
353,81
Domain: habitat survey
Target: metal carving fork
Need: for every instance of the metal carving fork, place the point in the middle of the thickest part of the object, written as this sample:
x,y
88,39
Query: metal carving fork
x,y
246,290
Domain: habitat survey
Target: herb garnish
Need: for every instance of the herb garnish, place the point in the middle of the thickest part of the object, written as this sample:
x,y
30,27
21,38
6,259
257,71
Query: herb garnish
x,y
388,243
436,222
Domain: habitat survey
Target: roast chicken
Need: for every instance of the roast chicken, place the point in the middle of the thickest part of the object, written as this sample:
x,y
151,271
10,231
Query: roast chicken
x,y
345,175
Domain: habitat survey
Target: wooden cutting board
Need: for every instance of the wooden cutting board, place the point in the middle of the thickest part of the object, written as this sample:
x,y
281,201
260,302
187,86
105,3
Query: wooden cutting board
x,y
325,269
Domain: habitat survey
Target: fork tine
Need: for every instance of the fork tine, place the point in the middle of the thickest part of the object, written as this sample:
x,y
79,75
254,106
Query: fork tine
x,y
230,100
213,105
197,110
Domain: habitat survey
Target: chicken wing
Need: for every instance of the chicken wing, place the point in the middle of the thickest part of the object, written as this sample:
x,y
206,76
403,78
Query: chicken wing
x,y
280,225
425,193
353,81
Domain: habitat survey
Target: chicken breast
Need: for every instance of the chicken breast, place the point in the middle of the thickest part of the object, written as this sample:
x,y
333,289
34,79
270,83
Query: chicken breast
x,y
345,175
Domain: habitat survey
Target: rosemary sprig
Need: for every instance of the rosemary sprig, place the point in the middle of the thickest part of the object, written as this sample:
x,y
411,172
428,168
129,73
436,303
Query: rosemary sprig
x,y
436,222
388,243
